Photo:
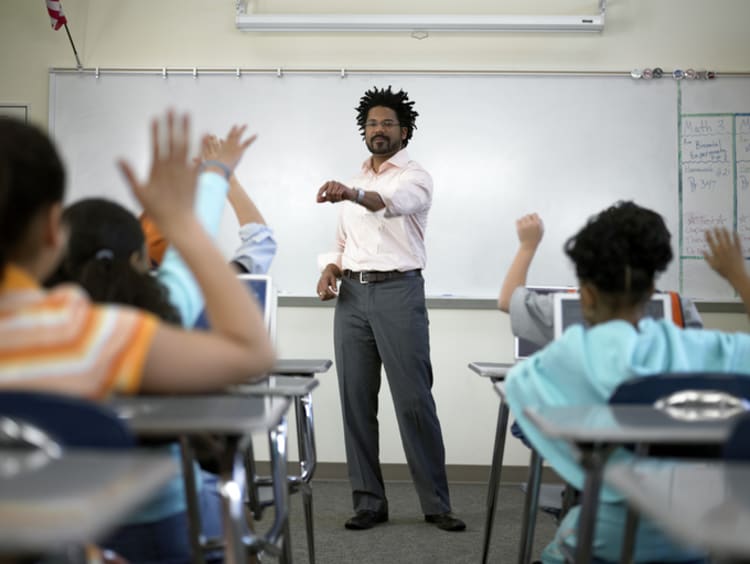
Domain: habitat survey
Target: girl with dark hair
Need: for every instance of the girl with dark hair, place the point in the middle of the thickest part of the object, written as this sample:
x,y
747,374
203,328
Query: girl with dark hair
x,y
617,256
106,256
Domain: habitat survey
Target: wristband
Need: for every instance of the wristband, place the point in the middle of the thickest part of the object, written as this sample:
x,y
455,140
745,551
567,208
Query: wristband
x,y
218,164
360,195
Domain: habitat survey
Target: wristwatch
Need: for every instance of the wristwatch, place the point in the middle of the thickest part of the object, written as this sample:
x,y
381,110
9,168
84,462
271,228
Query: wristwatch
x,y
360,195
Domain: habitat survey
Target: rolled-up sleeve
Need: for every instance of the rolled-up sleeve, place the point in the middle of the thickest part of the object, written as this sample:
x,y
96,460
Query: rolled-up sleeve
x,y
412,195
257,248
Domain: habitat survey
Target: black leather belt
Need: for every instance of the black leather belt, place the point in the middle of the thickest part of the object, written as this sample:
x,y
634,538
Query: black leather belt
x,y
369,276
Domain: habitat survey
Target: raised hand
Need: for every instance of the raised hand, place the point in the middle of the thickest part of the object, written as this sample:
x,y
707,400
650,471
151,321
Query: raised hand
x,y
530,230
725,253
168,193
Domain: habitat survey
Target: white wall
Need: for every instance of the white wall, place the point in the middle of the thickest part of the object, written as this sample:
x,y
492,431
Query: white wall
x,y
188,33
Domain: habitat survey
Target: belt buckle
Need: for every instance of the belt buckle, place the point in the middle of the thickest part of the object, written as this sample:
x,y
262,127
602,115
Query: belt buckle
x,y
362,277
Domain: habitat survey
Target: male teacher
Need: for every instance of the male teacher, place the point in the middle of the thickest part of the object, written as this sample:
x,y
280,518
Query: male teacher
x,y
381,317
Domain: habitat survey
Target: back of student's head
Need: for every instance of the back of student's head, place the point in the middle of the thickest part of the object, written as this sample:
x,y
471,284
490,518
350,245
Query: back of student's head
x,y
105,248
621,250
32,178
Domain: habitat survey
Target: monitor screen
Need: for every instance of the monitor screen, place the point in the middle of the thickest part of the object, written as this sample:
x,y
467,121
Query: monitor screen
x,y
523,347
259,285
568,310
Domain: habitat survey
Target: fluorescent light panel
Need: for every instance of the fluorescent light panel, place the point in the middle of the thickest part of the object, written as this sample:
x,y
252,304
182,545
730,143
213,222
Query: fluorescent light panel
x,y
411,23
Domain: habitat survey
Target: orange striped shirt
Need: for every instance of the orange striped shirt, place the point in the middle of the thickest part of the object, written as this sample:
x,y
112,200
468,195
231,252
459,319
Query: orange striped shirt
x,y
59,341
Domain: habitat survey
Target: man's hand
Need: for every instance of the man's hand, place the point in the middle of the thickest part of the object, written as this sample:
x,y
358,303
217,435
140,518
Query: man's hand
x,y
530,230
333,192
328,283
725,254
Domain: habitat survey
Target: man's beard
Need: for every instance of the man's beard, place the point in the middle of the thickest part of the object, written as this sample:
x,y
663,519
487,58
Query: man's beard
x,y
381,148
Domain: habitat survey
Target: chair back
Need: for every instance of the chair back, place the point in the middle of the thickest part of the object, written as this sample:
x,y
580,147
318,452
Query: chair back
x,y
650,389
71,422
737,446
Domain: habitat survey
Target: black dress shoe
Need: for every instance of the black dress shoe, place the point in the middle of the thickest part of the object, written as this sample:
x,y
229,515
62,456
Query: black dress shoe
x,y
366,519
446,521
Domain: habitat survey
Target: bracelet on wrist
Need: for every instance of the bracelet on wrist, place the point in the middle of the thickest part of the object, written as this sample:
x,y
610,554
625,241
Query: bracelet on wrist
x,y
360,195
218,164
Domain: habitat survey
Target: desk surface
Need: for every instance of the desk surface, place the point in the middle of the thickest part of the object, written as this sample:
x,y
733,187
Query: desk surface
x,y
168,416
46,503
704,504
300,366
278,385
494,370
619,424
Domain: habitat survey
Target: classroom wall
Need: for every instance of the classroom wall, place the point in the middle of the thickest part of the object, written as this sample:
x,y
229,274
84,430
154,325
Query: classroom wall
x,y
201,33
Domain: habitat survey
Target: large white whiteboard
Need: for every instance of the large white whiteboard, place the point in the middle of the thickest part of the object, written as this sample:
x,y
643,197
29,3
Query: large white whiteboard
x,y
498,146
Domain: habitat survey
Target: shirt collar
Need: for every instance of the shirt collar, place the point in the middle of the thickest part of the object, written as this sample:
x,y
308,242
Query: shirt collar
x,y
15,278
399,160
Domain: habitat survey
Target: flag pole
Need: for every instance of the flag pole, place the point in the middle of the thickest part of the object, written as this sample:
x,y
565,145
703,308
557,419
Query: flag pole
x,y
79,66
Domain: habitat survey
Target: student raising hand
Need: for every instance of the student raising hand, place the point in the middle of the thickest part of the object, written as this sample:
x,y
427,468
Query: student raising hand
x,y
530,231
725,257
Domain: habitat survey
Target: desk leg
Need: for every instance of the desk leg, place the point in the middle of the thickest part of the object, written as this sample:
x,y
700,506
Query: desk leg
x,y
593,459
495,472
193,512
531,502
280,528
628,541
308,459
231,476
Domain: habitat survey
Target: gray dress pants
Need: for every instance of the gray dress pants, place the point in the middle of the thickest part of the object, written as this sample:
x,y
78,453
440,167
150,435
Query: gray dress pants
x,y
385,324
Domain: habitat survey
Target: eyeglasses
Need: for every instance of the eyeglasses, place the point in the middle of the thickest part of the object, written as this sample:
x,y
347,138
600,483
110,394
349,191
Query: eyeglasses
x,y
385,124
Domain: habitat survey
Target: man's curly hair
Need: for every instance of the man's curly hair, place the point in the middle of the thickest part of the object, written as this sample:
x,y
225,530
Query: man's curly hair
x,y
397,101
621,250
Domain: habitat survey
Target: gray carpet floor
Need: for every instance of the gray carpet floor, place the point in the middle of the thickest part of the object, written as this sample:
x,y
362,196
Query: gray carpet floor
x,y
406,538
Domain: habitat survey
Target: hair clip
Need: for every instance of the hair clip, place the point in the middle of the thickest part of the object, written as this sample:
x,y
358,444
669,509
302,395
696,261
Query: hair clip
x,y
104,254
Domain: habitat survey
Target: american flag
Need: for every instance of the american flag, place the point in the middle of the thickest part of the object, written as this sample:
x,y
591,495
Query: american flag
x,y
56,16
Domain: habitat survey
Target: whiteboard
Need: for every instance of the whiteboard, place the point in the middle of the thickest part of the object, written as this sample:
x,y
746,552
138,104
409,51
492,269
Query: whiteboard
x,y
714,174
497,146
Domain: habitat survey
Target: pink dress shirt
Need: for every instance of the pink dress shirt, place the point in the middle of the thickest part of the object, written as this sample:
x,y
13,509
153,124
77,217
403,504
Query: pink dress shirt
x,y
391,238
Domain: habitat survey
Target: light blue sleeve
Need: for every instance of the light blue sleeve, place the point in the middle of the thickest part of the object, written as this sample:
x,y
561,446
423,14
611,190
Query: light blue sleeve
x,y
257,248
183,290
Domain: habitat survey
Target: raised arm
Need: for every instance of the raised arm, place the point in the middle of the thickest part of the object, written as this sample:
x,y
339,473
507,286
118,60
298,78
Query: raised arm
x,y
530,230
725,257
238,347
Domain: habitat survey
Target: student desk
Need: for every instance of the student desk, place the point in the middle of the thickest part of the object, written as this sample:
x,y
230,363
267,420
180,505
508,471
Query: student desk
x,y
299,390
496,372
301,366
234,418
702,504
597,430
48,504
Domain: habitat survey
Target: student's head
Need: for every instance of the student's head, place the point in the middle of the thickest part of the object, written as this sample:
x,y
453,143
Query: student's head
x,y
106,255
32,186
617,256
386,120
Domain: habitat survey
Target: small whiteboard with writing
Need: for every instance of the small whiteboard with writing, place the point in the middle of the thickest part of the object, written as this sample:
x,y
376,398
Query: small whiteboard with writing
x,y
714,175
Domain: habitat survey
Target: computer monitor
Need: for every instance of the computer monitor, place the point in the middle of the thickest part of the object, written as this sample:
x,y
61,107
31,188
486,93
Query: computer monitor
x,y
261,287
523,347
568,310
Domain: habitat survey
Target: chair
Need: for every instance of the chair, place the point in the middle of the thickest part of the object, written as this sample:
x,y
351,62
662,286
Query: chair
x,y
71,422
737,446
658,387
